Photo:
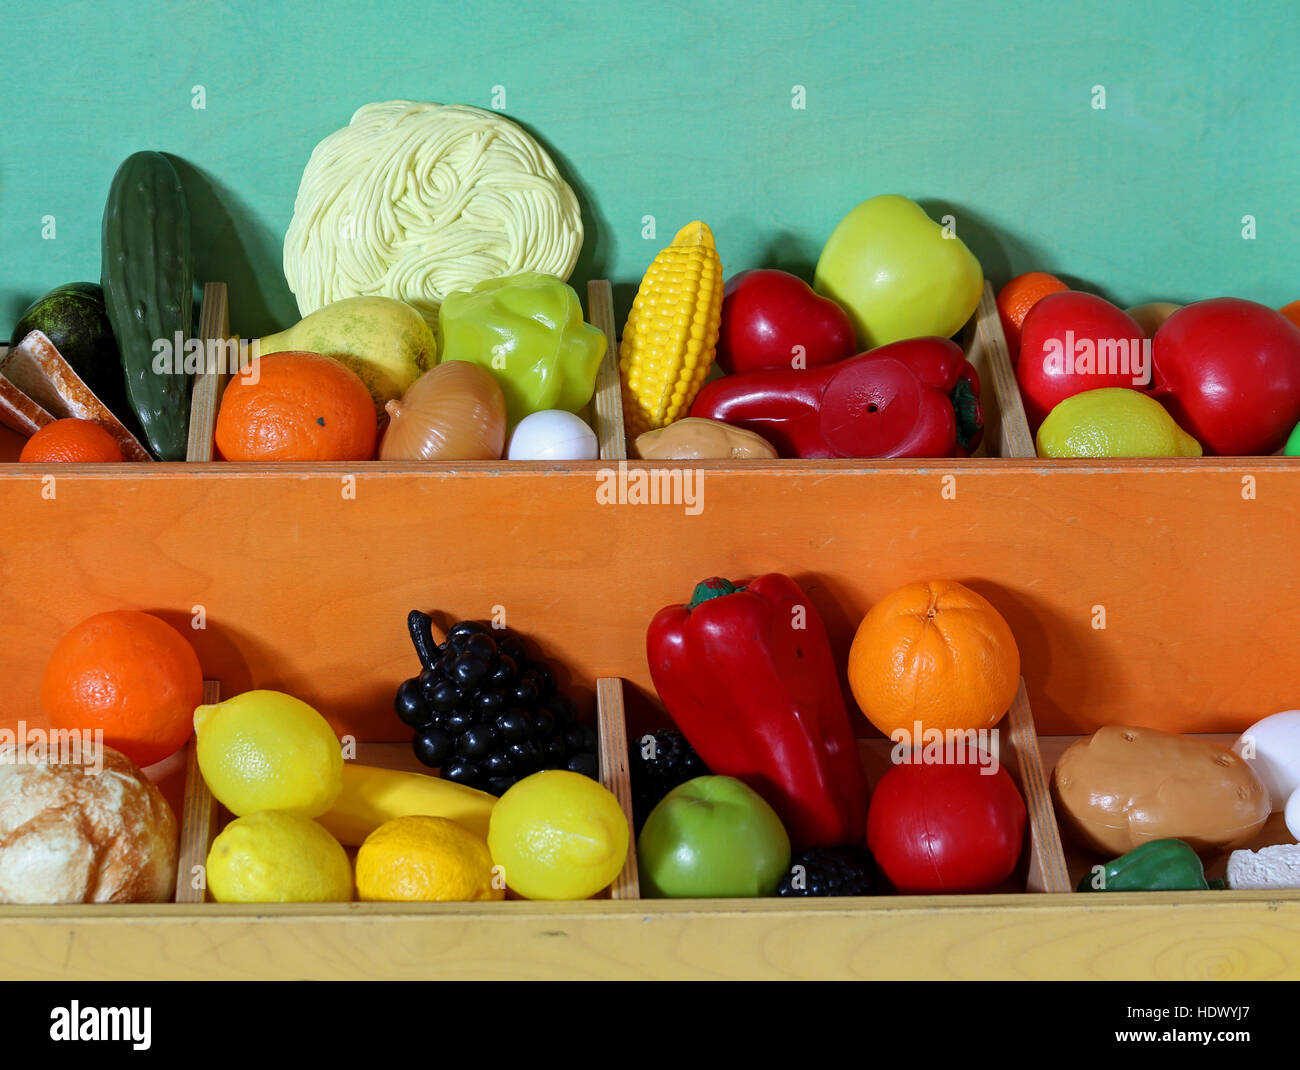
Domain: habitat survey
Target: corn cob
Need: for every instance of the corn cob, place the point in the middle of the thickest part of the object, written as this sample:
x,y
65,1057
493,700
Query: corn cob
x,y
672,332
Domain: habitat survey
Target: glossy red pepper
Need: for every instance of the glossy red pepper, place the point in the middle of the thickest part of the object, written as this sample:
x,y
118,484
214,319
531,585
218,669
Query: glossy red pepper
x,y
748,676
916,398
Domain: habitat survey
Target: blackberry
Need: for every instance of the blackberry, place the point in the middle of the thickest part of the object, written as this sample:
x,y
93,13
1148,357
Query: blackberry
x,y
659,762
484,713
830,871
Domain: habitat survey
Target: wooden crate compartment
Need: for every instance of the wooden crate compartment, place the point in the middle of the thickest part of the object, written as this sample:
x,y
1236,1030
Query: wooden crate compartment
x,y
202,817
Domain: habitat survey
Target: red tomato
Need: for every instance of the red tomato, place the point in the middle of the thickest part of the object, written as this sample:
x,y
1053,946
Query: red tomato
x,y
1228,371
767,313
946,827
1071,342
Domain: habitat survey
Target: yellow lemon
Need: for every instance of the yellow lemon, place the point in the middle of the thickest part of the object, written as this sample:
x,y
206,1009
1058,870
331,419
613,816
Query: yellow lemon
x,y
558,835
425,859
264,750
275,857
1113,422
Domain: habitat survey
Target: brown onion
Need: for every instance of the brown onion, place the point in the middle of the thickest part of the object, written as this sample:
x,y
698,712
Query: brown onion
x,y
453,412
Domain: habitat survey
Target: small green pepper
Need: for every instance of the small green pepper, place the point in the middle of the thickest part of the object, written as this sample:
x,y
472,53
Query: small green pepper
x,y
529,332
1158,866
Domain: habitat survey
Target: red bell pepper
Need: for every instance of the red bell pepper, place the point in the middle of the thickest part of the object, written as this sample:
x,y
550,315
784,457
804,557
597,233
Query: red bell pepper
x,y
748,676
915,398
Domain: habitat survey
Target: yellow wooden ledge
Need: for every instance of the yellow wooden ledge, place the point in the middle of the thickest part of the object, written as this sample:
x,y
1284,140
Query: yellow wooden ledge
x,y
1223,935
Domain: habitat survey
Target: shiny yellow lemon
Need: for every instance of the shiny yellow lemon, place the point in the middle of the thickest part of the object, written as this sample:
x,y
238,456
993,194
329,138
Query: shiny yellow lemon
x,y
264,750
1113,422
558,835
275,857
426,859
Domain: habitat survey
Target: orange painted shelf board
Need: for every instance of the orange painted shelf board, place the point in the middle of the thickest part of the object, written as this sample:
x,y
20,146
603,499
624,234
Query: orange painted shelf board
x,y
1120,580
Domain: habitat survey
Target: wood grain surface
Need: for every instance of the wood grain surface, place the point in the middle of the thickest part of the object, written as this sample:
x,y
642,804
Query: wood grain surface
x,y
1162,936
1157,593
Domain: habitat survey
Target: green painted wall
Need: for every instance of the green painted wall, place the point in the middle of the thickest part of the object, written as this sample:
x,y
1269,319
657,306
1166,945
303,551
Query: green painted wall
x,y
683,112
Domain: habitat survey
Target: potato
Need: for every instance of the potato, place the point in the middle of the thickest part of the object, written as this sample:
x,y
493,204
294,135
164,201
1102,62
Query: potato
x,y
1121,787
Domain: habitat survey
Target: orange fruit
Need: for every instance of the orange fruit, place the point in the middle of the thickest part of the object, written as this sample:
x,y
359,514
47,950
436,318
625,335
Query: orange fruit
x,y
129,674
1292,312
937,653
1017,297
71,441
297,407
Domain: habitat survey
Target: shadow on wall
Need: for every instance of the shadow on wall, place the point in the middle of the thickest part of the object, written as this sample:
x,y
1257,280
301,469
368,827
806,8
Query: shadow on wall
x,y
997,250
231,246
599,249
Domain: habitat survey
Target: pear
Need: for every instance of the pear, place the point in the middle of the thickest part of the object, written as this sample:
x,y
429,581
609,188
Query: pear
x,y
385,341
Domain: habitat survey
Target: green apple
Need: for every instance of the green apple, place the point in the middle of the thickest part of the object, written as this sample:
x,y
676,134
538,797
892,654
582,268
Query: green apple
x,y
712,838
898,273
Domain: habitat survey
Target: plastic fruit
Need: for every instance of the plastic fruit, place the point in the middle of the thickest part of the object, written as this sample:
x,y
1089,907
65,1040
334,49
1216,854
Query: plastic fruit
x,y
265,750
891,267
1228,371
1152,316
296,407
1292,312
71,441
946,827
275,857
423,859
373,796
712,837
385,341
129,674
772,319
1015,300
1071,342
936,653
558,835
1113,422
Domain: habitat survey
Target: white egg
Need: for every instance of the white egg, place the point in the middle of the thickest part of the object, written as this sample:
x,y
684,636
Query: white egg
x,y
552,435
1293,815
1271,747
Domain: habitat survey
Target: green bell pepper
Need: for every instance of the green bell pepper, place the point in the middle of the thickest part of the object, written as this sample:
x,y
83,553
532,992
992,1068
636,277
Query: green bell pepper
x,y
1292,448
1158,866
529,332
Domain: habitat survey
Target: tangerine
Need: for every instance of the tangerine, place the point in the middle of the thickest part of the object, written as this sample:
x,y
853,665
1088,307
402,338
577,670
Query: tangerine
x,y
1017,297
937,653
131,675
71,441
297,406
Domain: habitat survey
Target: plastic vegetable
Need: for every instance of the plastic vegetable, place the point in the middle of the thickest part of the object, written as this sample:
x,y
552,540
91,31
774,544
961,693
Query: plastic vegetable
x,y
1071,342
945,827
453,412
918,398
528,331
748,676
1229,372
1158,866
672,331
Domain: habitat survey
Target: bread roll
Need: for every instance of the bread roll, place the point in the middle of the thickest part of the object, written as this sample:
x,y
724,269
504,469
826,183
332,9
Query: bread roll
x,y
69,834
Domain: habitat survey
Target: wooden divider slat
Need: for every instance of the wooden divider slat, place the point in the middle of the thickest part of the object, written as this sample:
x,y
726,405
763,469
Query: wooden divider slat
x,y
198,817
616,775
608,401
1006,430
214,324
